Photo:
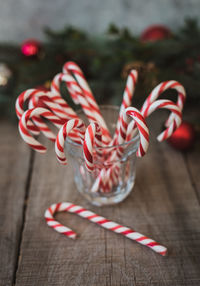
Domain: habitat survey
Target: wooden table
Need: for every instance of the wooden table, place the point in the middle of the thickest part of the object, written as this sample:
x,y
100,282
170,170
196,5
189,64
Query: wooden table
x,y
165,205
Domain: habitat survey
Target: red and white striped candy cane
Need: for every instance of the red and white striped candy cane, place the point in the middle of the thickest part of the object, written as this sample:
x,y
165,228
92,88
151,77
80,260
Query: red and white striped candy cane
x,y
93,114
156,92
19,108
51,102
127,98
142,128
27,137
143,146
76,94
99,182
74,69
157,104
143,132
106,178
46,98
176,111
104,181
102,221
159,89
92,138
65,131
55,89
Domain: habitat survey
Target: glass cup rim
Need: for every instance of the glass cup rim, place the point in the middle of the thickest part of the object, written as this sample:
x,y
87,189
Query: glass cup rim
x,y
106,106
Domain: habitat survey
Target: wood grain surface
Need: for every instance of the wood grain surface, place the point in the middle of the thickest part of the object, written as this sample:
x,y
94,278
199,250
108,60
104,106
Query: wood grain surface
x,y
14,172
164,205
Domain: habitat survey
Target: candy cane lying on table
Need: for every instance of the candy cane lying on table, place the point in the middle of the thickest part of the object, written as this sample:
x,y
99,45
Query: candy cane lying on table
x,y
23,129
92,138
65,130
103,222
159,89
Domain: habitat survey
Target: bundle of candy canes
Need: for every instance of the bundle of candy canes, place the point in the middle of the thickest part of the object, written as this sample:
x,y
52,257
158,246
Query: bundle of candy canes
x,y
51,106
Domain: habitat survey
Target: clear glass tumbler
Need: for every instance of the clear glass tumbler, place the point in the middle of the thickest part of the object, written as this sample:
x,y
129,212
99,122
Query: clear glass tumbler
x,y
112,178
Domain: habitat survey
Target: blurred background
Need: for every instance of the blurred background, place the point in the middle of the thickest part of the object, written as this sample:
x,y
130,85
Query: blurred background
x,y
161,39
21,19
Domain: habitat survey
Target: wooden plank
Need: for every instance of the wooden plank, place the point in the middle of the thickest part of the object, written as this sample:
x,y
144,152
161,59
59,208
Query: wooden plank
x,y
163,205
14,166
192,161
192,158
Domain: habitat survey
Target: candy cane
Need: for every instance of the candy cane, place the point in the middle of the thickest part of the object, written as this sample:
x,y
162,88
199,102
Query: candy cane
x,y
102,221
93,114
142,128
157,104
159,89
46,98
156,92
55,89
65,130
53,103
74,69
143,132
76,94
143,146
105,180
92,138
176,111
32,142
19,108
166,104
127,98
39,123
100,181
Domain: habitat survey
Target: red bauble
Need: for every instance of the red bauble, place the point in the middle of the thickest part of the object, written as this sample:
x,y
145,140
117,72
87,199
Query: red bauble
x,y
155,33
31,48
183,137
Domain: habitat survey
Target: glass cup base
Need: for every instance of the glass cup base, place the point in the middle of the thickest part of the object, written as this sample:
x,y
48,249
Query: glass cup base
x,y
111,198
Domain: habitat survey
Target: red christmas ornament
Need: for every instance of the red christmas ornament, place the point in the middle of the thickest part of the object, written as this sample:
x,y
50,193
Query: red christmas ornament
x,y
155,33
31,48
183,138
